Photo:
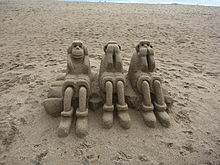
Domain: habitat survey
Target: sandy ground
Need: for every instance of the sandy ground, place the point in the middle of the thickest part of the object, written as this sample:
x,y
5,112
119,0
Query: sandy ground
x,y
34,37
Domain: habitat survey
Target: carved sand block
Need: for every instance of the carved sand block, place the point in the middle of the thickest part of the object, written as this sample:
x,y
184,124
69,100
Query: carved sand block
x,y
112,83
71,93
145,83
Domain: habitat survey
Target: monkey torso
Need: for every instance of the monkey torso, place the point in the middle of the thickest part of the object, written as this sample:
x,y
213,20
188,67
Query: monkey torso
x,y
136,70
78,66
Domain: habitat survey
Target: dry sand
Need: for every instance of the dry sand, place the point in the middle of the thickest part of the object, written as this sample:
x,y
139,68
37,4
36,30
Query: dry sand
x,y
34,37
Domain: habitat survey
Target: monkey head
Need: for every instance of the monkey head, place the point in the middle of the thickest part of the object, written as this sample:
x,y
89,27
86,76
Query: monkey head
x,y
145,54
142,48
77,50
112,45
113,59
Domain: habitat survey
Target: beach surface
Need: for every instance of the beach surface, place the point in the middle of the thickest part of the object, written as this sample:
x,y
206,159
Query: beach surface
x,y
34,37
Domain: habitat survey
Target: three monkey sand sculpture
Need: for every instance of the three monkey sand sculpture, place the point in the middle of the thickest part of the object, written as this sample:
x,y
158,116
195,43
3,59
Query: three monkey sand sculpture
x,y
112,90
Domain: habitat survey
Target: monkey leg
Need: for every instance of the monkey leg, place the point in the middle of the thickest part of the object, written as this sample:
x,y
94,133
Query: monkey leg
x,y
82,114
147,106
122,107
66,115
108,108
160,105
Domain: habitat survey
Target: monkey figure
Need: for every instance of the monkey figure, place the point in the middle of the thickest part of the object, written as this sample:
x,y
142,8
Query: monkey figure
x,y
112,83
143,81
75,90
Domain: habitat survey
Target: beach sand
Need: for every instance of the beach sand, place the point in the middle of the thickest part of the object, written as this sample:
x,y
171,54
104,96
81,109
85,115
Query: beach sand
x,y
34,37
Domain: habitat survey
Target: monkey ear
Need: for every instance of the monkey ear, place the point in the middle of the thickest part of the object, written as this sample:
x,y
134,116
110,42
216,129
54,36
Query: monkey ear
x,y
69,50
137,48
85,50
105,47
119,47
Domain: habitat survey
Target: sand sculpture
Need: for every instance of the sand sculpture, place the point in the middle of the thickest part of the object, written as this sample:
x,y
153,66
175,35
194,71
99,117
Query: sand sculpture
x,y
80,90
112,83
144,82
75,90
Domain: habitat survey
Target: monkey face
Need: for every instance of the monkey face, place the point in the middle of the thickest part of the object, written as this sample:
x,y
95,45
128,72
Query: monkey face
x,y
142,47
77,50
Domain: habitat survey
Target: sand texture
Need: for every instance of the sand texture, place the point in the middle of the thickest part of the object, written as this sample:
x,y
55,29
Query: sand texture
x,y
34,37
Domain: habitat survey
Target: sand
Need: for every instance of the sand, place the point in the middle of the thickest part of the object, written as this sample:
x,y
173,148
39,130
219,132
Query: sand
x,y
34,37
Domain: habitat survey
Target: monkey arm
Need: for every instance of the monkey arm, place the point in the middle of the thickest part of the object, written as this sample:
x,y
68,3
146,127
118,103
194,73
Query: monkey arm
x,y
144,63
151,62
87,63
108,58
150,59
118,61
69,69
